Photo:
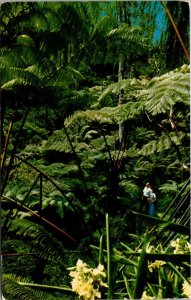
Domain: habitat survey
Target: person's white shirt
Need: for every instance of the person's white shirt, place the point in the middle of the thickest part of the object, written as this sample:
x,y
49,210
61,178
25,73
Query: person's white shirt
x,y
147,191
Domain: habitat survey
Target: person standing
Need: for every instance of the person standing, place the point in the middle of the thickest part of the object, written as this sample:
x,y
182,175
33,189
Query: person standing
x,y
153,199
144,206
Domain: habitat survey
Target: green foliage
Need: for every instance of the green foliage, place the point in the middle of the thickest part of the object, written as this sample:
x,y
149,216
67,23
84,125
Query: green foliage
x,y
63,160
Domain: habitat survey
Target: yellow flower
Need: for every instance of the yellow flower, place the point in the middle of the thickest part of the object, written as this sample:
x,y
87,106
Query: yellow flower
x,y
97,294
155,265
176,245
73,273
100,267
173,243
99,271
85,289
186,288
149,249
188,247
180,246
103,284
87,281
80,263
146,297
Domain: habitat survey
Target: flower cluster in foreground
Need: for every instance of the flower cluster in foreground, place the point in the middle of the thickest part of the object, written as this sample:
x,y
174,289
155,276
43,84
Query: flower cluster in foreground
x,y
156,265
180,246
87,281
186,288
146,297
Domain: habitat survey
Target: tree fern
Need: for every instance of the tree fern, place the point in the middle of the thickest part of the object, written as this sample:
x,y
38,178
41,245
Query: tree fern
x,y
159,95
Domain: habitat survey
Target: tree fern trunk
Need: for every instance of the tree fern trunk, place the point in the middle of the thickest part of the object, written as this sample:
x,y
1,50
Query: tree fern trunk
x,y
120,102
122,8
2,114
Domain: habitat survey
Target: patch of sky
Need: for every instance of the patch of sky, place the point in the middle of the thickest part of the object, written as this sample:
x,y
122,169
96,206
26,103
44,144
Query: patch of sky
x,y
161,24
154,13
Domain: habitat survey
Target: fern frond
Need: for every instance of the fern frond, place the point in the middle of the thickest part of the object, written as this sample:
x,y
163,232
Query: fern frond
x,y
149,148
158,95
169,186
175,165
130,35
89,116
16,278
164,92
163,143
102,26
62,77
25,40
57,142
131,189
89,135
12,288
121,113
22,289
131,86
54,169
107,115
21,77
47,246
13,83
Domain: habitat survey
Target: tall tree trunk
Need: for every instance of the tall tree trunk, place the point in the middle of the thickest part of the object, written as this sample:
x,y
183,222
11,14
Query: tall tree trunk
x,y
122,8
120,102
2,115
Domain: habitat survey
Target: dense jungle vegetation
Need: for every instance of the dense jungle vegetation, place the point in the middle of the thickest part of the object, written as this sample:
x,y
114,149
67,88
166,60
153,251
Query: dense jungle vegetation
x,y
95,103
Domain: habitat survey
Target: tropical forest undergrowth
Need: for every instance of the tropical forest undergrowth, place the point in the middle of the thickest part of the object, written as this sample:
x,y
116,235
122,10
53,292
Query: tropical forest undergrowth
x,y
91,110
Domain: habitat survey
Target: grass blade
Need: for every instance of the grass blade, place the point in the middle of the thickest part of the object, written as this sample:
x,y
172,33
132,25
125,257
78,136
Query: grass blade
x,y
141,271
101,250
109,294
